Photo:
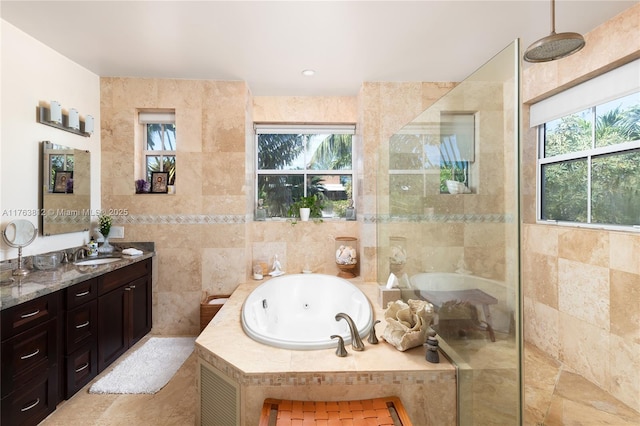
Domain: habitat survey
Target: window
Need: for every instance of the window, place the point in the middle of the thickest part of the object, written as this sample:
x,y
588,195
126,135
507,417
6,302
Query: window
x,y
457,148
60,159
296,161
159,148
589,165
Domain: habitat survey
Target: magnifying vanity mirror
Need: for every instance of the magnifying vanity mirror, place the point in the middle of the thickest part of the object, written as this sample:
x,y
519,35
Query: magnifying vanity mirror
x,y
66,189
19,233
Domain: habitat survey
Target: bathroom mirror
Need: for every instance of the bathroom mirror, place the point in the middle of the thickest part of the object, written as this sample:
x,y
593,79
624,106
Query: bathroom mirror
x,y
19,233
66,189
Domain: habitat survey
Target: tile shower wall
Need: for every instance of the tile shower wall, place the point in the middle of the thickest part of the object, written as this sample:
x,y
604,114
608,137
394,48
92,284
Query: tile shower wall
x,y
582,286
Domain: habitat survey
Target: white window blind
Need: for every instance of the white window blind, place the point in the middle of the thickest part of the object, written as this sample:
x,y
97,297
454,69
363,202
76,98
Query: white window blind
x,y
156,117
615,84
348,129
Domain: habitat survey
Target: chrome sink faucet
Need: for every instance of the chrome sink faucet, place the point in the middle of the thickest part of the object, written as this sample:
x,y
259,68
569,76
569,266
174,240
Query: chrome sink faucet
x,y
356,342
81,251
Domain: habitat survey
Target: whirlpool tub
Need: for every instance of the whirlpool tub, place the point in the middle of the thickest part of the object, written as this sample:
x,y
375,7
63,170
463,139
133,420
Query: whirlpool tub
x,y
298,311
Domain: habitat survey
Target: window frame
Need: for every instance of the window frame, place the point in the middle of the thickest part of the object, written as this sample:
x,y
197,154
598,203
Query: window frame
x,y
586,154
162,118
306,129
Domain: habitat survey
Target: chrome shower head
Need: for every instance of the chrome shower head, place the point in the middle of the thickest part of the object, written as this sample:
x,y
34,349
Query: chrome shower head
x,y
554,46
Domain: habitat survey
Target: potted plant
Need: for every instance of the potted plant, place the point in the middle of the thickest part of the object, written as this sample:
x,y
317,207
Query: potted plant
x,y
307,207
105,221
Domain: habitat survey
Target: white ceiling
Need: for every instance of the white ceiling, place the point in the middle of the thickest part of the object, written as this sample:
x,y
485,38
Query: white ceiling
x,y
268,43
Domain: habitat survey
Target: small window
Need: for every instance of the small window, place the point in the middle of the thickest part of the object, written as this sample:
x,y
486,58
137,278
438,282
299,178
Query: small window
x,y
589,165
159,148
297,161
457,149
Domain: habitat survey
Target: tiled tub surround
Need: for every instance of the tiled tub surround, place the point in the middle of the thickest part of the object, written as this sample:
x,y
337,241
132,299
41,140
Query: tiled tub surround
x,y
40,283
428,391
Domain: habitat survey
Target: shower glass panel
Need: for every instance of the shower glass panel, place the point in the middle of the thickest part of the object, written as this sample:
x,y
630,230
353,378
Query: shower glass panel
x,y
448,228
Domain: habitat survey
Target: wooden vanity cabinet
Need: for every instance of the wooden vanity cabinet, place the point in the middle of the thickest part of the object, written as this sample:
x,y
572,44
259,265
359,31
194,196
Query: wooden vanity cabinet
x,y
81,335
29,369
54,345
124,310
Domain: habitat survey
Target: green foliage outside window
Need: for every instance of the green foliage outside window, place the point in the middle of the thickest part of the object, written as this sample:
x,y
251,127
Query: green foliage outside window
x,y
297,157
598,178
161,149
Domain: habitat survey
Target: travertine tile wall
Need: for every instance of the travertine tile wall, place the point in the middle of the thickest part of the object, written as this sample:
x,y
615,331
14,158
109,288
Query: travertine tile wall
x,y
383,109
305,245
582,286
200,232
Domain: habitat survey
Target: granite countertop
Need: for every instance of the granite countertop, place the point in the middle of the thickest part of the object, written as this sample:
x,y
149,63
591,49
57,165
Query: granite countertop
x,y
40,283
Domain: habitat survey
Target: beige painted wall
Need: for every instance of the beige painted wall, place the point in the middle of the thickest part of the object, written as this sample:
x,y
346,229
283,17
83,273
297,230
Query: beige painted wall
x,y
582,286
26,84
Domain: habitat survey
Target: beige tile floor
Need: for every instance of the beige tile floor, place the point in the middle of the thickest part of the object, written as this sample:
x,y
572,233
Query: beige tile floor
x,y
553,396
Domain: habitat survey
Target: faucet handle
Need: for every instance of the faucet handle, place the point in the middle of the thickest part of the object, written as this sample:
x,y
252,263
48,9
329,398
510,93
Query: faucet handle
x,y
340,350
373,339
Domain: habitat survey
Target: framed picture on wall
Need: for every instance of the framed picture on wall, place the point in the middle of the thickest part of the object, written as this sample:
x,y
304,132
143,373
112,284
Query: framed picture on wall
x,y
159,182
63,182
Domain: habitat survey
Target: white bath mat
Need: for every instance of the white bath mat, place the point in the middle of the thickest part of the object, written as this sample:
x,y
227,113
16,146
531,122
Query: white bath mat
x,y
149,368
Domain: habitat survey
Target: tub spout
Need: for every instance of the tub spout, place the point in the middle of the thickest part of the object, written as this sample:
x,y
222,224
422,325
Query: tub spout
x,y
356,342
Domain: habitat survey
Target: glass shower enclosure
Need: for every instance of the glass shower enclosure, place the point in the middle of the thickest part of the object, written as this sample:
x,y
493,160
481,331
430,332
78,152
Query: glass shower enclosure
x,y
448,229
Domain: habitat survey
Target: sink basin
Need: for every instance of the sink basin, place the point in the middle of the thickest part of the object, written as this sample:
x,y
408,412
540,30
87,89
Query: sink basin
x,y
92,262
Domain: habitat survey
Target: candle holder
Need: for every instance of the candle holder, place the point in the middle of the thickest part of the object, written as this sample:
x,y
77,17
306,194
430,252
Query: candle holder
x,y
347,256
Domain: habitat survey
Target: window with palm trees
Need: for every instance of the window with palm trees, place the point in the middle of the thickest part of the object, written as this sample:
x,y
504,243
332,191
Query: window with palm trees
x,y
589,165
297,161
160,152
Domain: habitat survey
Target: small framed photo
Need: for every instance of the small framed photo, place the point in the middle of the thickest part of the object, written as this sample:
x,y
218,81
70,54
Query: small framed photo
x,y
63,182
159,182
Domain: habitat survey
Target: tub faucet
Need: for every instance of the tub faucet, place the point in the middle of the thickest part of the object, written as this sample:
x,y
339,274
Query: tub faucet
x,y
356,342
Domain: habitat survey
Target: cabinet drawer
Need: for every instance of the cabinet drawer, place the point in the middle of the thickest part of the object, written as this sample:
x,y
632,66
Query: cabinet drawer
x,y
81,325
28,355
32,403
122,276
81,367
26,315
81,293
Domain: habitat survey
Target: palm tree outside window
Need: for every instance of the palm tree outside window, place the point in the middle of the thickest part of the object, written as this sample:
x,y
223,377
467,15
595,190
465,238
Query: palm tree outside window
x,y
159,153
296,161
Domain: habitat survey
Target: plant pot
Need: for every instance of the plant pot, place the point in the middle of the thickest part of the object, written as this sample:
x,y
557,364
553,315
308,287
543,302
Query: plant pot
x,y
304,214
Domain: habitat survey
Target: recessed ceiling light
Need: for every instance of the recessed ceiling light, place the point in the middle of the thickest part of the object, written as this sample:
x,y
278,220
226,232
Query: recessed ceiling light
x,y
308,73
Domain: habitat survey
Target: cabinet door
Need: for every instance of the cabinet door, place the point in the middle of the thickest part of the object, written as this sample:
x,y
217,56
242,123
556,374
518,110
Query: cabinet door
x,y
112,329
81,326
28,356
140,314
81,367
32,403
26,315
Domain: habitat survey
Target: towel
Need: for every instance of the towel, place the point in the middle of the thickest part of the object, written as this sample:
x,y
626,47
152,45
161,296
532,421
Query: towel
x,y
132,252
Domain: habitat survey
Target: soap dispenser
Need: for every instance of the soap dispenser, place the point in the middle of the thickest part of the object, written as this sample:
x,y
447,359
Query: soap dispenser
x,y
93,248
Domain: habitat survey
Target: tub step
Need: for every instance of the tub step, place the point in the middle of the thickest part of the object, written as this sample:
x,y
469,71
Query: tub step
x,y
383,411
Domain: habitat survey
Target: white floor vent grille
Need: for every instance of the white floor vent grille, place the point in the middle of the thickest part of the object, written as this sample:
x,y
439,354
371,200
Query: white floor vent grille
x,y
218,400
